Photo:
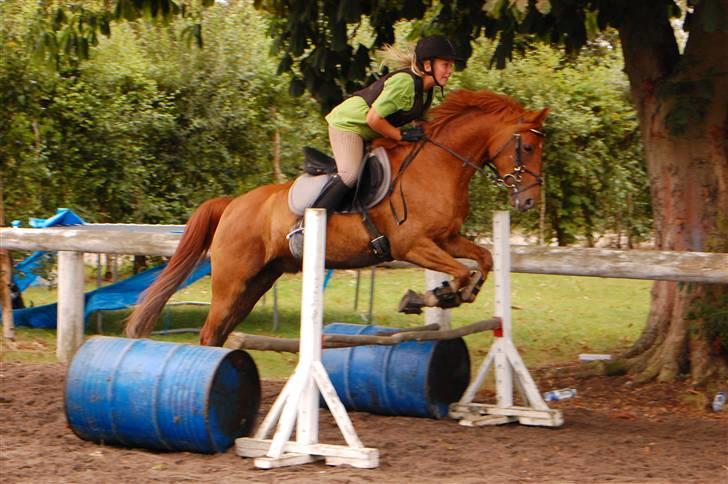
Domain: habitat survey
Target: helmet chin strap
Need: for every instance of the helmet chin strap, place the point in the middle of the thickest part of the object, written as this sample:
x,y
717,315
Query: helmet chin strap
x,y
431,73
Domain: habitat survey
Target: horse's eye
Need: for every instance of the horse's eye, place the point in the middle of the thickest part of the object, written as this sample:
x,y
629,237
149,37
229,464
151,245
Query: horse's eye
x,y
528,148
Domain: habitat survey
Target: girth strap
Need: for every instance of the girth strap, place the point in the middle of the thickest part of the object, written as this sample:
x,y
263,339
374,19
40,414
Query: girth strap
x,y
378,242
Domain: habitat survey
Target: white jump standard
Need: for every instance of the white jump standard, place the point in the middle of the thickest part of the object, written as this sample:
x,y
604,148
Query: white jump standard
x,y
509,367
298,402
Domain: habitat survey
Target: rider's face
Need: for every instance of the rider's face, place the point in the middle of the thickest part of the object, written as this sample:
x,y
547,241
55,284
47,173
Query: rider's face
x,y
442,70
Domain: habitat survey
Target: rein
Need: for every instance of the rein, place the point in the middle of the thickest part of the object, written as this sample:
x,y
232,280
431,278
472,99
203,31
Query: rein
x,y
510,180
410,157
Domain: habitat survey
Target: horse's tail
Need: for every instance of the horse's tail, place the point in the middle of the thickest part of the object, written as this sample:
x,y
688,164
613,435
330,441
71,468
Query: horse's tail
x,y
192,248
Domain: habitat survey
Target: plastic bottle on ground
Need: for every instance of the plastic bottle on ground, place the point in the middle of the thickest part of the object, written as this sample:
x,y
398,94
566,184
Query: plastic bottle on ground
x,y
562,394
718,401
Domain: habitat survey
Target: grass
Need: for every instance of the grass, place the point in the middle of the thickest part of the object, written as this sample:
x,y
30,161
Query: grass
x,y
554,317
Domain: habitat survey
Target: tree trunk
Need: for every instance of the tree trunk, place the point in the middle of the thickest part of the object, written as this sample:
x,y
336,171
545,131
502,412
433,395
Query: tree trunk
x,y
277,172
688,170
139,264
6,281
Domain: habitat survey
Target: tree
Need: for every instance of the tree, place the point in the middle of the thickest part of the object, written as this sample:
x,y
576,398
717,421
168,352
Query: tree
x,y
681,100
591,124
681,97
147,126
682,103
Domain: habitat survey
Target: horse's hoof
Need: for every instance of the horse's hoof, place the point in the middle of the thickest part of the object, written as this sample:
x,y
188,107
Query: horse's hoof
x,y
411,303
470,292
444,297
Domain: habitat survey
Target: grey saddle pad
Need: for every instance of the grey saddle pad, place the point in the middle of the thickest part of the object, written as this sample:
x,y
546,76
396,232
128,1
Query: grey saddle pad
x,y
372,187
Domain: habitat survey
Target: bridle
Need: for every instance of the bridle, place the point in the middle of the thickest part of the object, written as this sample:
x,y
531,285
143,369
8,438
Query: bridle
x,y
510,181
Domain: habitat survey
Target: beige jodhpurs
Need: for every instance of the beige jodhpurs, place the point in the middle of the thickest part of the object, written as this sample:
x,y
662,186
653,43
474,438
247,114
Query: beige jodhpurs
x,y
348,151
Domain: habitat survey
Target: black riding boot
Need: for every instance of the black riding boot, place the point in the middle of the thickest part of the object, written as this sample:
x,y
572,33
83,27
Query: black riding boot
x,y
331,194
330,197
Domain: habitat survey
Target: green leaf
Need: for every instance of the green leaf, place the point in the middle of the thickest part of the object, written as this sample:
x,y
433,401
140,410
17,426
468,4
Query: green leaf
x,y
494,7
520,5
543,6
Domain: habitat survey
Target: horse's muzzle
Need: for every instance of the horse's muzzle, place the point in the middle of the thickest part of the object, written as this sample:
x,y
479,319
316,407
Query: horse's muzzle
x,y
523,203
528,203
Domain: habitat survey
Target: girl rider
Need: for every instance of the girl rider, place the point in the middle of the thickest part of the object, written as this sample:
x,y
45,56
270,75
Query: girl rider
x,y
381,109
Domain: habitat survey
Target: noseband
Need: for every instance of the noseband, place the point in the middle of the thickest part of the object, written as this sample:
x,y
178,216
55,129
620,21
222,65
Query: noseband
x,y
510,181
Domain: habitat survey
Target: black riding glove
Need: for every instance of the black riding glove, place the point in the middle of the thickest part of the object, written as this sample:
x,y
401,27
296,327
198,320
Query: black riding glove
x,y
415,133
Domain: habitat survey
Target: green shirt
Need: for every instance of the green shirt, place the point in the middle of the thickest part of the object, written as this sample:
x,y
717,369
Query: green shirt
x,y
398,94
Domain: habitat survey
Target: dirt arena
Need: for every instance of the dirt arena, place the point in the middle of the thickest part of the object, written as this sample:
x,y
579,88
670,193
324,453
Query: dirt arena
x,y
614,432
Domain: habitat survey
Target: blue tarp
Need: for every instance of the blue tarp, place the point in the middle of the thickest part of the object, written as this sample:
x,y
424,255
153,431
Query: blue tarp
x,y
23,274
115,296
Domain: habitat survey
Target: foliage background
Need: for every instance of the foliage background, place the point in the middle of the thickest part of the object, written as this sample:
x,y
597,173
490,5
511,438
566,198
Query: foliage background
x,y
151,124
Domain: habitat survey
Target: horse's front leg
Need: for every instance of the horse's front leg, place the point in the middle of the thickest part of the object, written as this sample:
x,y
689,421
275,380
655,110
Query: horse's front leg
x,y
429,255
464,248
459,246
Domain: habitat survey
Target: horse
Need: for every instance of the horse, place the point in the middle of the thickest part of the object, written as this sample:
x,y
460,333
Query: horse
x,y
470,131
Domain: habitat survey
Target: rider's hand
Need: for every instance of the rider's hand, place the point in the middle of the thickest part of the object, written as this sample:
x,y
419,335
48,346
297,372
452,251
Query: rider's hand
x,y
415,133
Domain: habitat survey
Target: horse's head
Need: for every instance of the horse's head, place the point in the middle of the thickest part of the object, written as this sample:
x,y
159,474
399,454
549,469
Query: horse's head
x,y
493,131
514,154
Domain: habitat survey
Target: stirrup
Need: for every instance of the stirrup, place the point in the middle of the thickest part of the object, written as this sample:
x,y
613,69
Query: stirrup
x,y
294,232
298,228
295,240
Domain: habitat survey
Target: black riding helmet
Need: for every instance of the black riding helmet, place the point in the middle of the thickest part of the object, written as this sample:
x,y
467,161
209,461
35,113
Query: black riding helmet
x,y
434,47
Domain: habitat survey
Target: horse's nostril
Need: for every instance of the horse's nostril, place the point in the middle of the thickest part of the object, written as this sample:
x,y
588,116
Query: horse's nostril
x,y
528,203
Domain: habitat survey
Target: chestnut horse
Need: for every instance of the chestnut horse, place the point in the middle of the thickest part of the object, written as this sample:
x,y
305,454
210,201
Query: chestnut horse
x,y
246,235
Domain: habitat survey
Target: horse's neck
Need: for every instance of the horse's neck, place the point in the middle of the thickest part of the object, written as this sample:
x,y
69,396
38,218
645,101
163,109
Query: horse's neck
x,y
470,140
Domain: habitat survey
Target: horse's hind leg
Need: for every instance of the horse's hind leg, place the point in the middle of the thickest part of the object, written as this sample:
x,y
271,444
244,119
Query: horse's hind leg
x,y
232,300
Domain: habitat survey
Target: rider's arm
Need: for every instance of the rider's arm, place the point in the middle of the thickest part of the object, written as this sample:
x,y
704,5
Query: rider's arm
x,y
397,95
381,125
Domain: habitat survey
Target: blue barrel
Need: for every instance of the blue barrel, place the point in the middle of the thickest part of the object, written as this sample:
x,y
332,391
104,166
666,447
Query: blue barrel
x,y
158,395
417,379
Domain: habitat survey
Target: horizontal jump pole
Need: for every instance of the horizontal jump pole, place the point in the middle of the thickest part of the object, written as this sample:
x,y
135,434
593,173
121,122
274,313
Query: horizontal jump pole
x,y
424,333
574,261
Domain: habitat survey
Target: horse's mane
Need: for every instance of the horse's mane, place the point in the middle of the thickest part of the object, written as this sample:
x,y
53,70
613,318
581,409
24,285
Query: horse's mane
x,y
456,103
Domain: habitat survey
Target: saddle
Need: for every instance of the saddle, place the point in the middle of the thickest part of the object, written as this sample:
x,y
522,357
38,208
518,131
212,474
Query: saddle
x,y
318,167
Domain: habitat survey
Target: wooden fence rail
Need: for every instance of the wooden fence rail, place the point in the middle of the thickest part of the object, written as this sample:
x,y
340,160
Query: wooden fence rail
x,y
630,264
71,242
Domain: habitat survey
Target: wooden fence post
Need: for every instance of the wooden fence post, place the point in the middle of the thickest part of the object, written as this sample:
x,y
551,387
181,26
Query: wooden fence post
x,y
70,304
6,280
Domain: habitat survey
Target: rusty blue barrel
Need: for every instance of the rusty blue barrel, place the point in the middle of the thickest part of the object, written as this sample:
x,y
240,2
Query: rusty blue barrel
x,y
417,379
160,395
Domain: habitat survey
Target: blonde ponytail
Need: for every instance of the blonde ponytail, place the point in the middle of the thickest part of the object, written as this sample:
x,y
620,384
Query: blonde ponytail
x,y
396,58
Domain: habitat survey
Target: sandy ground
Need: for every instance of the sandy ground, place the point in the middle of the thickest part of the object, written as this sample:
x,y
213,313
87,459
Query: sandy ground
x,y
614,432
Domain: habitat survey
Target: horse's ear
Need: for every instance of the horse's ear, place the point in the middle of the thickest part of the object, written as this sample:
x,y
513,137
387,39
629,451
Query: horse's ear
x,y
537,117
